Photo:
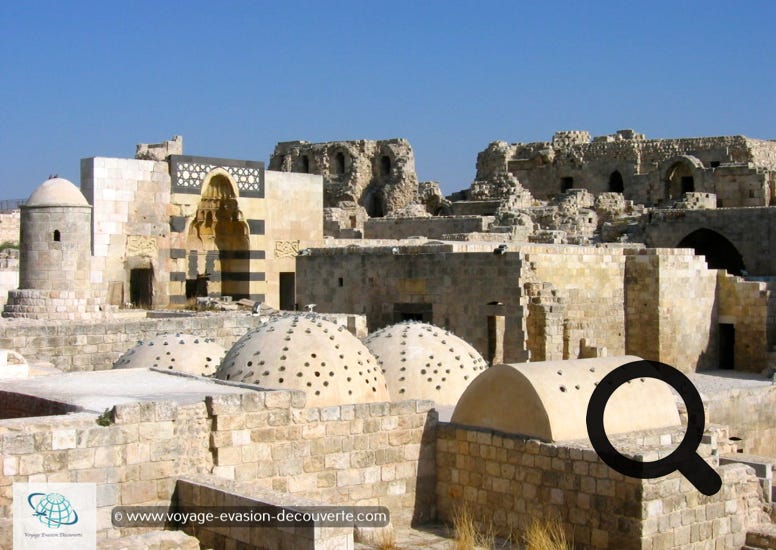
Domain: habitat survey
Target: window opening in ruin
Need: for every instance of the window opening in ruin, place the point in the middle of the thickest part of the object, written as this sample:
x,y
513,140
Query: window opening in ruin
x,y
715,164
287,291
196,288
727,345
340,281
616,184
720,253
57,236
413,312
141,287
751,193
305,164
339,164
353,222
385,165
566,183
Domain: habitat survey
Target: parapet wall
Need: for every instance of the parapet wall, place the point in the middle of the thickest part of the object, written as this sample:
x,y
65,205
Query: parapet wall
x,y
507,481
379,454
84,346
431,228
10,226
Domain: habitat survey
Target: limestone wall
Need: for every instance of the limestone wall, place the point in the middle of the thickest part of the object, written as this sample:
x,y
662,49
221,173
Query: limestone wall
x,y
10,226
671,308
420,282
750,230
82,346
750,414
637,165
294,222
506,481
378,454
377,175
432,228
130,222
589,281
745,305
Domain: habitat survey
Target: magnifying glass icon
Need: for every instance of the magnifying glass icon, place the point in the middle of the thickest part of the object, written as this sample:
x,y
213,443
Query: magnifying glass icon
x,y
684,458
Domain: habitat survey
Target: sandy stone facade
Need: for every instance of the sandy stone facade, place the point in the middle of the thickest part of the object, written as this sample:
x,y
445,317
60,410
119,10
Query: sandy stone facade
x,y
739,170
376,175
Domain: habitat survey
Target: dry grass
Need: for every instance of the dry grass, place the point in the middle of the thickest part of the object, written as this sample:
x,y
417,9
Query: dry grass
x,y
386,540
546,535
467,534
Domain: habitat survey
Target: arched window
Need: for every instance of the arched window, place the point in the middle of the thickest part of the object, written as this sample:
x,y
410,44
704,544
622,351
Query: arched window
x,y
57,236
616,184
339,163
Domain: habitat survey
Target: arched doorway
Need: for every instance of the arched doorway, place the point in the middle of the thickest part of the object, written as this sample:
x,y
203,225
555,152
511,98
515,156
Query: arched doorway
x,y
218,242
720,253
679,180
616,185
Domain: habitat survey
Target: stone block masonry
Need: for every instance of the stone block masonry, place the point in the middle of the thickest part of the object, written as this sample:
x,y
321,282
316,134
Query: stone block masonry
x,y
507,481
378,454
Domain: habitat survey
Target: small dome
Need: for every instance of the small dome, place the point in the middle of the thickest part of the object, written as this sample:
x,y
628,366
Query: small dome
x,y
306,352
57,192
421,361
178,352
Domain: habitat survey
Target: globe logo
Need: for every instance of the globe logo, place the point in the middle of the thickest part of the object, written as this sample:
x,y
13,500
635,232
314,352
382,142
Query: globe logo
x,y
52,509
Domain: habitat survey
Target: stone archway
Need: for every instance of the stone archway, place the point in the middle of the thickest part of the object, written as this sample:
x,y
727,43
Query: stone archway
x,y
679,176
719,252
218,241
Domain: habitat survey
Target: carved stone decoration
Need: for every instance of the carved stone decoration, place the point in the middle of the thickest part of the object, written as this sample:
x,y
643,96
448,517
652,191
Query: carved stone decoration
x,y
140,245
286,249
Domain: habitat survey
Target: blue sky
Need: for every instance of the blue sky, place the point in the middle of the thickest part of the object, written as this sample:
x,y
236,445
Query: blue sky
x,y
81,79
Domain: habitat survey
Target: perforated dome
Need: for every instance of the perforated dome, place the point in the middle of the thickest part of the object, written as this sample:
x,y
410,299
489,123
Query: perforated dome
x,y
57,192
179,352
306,352
421,361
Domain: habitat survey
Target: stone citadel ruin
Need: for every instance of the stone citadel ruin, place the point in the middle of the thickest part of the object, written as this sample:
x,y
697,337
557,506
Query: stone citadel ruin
x,y
330,330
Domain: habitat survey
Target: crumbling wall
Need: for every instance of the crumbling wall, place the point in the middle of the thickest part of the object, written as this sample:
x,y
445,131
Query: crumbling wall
x,y
737,169
377,175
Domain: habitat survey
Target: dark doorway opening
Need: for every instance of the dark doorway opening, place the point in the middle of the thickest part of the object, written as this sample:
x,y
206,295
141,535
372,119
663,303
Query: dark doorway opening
x,y
727,345
566,184
720,253
688,184
385,165
339,164
413,312
305,164
616,184
196,288
141,287
288,291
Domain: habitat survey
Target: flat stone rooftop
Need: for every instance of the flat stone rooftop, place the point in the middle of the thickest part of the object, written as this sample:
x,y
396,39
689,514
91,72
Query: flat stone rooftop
x,y
99,390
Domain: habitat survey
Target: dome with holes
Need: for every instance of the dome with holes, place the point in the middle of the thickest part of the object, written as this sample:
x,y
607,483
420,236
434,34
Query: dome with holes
x,y
421,361
178,352
306,352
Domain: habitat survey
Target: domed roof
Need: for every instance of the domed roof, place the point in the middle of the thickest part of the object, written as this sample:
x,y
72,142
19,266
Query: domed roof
x,y
57,192
306,352
179,352
421,361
